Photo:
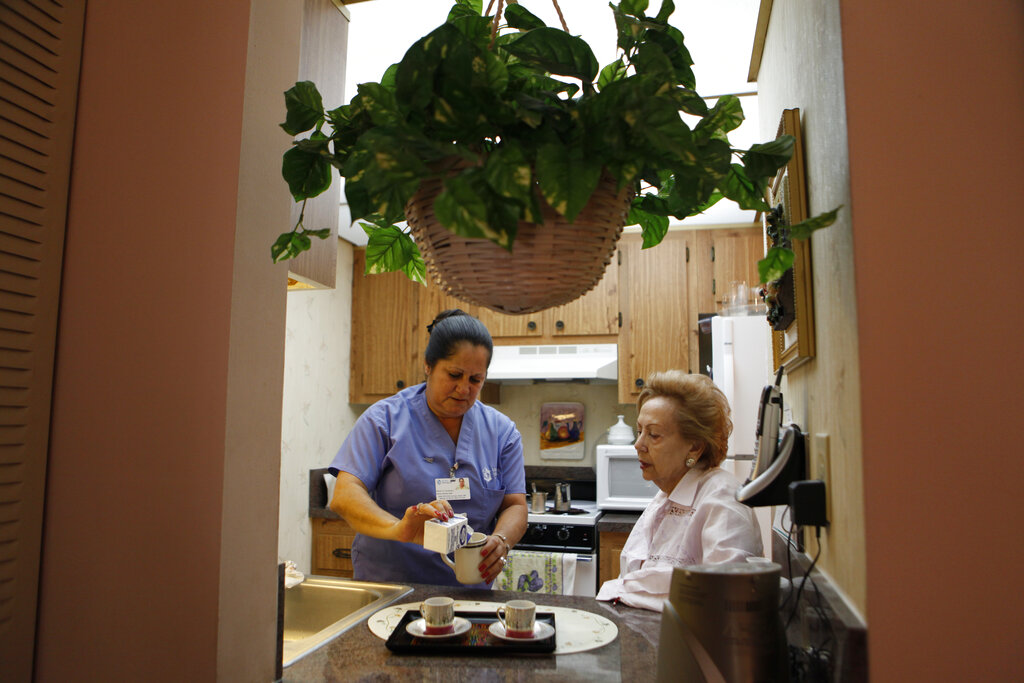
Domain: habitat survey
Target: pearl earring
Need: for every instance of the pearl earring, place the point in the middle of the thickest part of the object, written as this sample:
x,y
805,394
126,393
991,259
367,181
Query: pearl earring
x,y
690,462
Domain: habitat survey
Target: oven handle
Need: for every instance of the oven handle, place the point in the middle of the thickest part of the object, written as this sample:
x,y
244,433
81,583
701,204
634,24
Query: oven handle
x,y
582,555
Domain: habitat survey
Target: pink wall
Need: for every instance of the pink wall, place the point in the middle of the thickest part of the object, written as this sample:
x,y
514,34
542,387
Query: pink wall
x,y
129,587
935,97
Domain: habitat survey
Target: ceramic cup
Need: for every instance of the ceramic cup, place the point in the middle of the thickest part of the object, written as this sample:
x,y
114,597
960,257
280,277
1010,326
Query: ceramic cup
x,y
517,616
438,615
467,560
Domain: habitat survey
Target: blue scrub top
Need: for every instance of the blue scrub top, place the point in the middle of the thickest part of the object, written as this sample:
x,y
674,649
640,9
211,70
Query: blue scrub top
x,y
398,447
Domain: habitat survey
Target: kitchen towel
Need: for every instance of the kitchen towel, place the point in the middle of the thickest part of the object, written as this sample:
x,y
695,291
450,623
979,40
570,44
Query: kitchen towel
x,y
537,572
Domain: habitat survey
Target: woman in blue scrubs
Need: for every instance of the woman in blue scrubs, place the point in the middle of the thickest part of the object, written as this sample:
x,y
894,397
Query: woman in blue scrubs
x,y
428,452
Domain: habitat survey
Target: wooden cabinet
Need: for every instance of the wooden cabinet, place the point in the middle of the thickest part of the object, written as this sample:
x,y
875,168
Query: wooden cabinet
x,y
386,353
653,303
332,547
648,302
718,258
595,314
610,545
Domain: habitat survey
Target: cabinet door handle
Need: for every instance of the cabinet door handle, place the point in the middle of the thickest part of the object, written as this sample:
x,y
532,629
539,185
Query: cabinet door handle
x,y
400,384
342,553
639,382
531,325
560,325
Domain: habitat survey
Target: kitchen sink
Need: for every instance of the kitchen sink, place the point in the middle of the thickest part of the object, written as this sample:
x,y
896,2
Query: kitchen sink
x,y
321,608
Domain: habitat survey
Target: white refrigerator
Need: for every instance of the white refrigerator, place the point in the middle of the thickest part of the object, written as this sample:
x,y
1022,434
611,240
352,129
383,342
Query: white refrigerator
x,y
741,368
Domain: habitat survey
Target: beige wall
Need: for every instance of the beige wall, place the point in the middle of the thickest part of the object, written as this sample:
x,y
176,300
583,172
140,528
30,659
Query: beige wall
x,y
316,414
802,67
934,96
159,543
929,111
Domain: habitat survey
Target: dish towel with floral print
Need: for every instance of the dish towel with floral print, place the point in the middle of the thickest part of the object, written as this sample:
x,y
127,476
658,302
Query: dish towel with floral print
x,y
537,572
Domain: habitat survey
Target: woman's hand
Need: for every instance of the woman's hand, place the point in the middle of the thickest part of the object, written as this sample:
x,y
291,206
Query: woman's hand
x,y
409,529
493,558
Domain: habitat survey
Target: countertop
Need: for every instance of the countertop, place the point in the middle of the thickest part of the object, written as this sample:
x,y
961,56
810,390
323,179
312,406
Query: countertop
x,y
358,655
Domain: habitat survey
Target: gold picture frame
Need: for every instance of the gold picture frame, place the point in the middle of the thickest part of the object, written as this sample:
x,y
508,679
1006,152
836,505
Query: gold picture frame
x,y
794,345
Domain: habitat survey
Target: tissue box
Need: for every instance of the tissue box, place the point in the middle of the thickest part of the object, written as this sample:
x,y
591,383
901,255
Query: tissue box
x,y
446,537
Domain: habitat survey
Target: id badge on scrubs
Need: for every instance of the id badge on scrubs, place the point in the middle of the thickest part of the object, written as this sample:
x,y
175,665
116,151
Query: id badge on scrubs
x,y
451,488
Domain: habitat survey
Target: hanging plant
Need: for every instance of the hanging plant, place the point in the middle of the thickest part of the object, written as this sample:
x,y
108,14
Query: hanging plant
x,y
508,116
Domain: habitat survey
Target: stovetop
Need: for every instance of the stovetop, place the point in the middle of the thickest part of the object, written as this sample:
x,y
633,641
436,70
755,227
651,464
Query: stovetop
x,y
581,512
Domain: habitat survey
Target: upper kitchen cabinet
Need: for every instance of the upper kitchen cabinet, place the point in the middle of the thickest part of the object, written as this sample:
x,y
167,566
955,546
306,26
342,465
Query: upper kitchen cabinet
x,y
386,348
595,314
718,258
652,299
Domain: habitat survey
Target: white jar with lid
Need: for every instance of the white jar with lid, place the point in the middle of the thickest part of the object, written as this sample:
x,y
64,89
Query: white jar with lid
x,y
620,433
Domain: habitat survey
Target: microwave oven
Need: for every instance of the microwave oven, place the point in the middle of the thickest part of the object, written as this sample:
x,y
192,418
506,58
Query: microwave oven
x,y
620,482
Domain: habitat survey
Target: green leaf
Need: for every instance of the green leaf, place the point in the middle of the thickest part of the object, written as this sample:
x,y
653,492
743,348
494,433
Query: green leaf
x,y
742,190
305,108
462,207
667,8
382,173
308,174
652,61
379,103
654,227
389,249
464,8
615,71
803,229
634,7
557,52
508,172
517,16
289,245
726,115
763,160
566,178
414,80
775,263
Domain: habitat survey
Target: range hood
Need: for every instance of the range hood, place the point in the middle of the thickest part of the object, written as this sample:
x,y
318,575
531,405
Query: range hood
x,y
554,363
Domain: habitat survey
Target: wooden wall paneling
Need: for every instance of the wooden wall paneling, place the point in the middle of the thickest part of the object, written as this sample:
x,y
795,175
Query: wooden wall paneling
x,y
324,43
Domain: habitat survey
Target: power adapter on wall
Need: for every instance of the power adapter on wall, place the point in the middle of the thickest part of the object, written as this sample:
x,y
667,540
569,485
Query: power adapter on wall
x,y
807,503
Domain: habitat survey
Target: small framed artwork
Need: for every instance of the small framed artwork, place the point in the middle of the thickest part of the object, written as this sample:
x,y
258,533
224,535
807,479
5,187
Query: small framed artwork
x,y
561,431
790,299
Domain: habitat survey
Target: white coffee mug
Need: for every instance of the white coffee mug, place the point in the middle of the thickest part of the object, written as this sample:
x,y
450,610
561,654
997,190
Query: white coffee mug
x,y
438,615
468,559
517,616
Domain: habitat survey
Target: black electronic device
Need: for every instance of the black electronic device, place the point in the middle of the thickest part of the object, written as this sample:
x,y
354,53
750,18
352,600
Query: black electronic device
x,y
769,420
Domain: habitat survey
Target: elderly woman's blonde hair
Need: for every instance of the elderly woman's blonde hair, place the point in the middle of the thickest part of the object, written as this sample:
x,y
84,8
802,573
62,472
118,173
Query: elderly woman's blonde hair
x,y
701,410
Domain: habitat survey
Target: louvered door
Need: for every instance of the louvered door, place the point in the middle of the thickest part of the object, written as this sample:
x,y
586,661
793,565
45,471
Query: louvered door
x,y
40,51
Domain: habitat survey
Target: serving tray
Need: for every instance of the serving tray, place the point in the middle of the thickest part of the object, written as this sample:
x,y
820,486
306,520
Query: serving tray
x,y
477,641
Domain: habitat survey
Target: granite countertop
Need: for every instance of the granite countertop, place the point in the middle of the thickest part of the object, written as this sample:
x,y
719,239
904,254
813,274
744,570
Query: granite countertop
x,y
611,522
358,655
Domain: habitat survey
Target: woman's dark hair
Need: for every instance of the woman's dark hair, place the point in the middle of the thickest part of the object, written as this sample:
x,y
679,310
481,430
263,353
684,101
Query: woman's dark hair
x,y
449,329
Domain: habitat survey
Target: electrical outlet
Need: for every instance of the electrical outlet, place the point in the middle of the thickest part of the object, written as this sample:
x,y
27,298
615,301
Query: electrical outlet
x,y
823,468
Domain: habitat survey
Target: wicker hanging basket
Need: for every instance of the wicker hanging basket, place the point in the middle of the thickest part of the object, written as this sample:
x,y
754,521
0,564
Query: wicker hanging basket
x,y
551,263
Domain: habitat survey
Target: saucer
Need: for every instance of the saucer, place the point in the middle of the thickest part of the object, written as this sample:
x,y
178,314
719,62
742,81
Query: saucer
x,y
417,628
541,630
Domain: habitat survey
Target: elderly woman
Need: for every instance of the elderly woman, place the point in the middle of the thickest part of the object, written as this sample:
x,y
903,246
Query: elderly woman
x,y
427,452
684,429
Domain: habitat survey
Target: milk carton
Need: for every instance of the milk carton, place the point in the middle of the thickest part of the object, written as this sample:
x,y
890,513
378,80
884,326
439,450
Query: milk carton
x,y
446,537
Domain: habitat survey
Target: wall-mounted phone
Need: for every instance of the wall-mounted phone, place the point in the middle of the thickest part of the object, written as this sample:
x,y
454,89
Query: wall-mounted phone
x,y
781,456
769,420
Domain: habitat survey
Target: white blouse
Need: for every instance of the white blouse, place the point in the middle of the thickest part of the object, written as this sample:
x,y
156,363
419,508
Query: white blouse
x,y
699,523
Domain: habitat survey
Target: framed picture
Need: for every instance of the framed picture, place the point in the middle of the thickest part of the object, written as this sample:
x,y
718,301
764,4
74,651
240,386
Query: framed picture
x,y
790,299
561,431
